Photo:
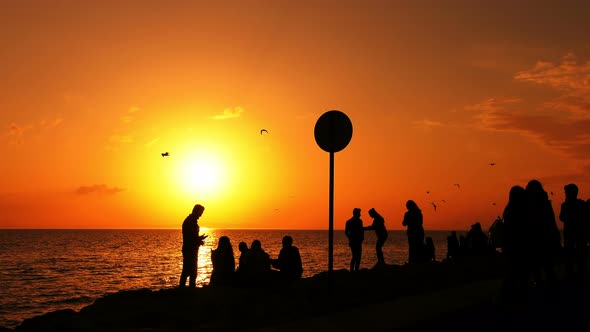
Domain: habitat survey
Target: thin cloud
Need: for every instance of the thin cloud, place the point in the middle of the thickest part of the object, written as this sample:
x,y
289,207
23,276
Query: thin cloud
x,y
570,77
121,139
427,124
128,117
152,142
229,113
98,189
510,115
16,133
16,130
50,124
492,114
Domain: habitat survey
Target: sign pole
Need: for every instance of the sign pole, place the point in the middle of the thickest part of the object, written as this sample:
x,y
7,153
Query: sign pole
x,y
331,220
332,133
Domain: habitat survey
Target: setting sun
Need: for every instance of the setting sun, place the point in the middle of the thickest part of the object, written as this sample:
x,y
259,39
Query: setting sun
x,y
201,173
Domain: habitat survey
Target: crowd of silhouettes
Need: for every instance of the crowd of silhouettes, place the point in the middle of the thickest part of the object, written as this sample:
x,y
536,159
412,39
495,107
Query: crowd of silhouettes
x,y
526,234
255,266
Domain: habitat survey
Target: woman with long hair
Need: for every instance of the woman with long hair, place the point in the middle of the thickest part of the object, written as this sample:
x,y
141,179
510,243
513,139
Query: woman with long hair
x,y
413,220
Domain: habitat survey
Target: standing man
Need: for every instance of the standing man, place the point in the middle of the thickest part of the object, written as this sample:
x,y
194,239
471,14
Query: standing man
x,y
191,240
573,215
356,234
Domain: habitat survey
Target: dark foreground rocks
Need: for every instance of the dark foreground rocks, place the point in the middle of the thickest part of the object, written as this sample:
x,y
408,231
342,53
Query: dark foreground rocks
x,y
220,308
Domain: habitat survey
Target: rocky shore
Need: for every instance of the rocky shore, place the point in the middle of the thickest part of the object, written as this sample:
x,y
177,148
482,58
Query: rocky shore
x,y
426,295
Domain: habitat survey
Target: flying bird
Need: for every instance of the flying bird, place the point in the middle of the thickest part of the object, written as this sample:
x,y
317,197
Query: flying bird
x,y
428,192
434,206
444,201
493,203
456,184
165,154
492,164
263,130
551,193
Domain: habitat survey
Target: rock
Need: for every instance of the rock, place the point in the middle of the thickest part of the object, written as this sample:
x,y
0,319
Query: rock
x,y
239,308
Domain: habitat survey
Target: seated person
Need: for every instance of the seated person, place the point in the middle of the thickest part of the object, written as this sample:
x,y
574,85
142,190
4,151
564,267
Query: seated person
x,y
289,261
255,267
223,262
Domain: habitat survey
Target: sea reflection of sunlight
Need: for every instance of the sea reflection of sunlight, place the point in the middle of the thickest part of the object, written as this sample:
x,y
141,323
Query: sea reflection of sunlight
x,y
205,266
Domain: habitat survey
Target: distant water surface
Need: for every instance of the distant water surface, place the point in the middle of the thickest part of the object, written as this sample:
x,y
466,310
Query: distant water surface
x,y
47,270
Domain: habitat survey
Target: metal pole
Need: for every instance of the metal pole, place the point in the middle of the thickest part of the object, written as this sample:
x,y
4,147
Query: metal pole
x,y
331,221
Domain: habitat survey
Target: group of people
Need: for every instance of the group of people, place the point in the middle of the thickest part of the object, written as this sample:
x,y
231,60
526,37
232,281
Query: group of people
x,y
532,241
355,232
475,243
255,267
529,237
527,233
421,248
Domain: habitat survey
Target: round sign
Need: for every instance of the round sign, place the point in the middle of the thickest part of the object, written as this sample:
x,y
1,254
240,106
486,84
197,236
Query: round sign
x,y
333,131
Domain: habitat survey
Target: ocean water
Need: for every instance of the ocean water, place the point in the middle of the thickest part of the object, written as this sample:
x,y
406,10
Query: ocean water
x,y
47,270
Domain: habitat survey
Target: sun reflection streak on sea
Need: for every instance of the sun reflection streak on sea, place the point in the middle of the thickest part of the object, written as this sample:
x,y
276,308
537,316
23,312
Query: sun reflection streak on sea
x,y
47,270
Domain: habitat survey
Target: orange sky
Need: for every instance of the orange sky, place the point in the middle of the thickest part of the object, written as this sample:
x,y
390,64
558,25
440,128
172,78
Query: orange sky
x,y
92,92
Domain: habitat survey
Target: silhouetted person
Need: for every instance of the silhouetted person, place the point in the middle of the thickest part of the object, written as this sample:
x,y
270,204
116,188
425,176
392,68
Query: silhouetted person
x,y
256,267
191,240
223,262
356,234
429,250
452,245
462,245
515,240
380,231
573,214
240,275
477,240
544,238
415,231
496,234
243,248
289,261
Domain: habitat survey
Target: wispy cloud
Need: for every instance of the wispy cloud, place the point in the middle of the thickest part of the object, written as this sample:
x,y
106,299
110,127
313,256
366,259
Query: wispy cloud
x,y
152,142
560,123
229,113
570,77
98,189
491,114
427,125
128,117
16,132
121,139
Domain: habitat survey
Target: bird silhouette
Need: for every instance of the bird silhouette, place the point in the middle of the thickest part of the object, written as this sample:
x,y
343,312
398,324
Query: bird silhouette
x,y
444,201
456,184
434,206
165,154
551,193
493,203
492,164
428,192
263,130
